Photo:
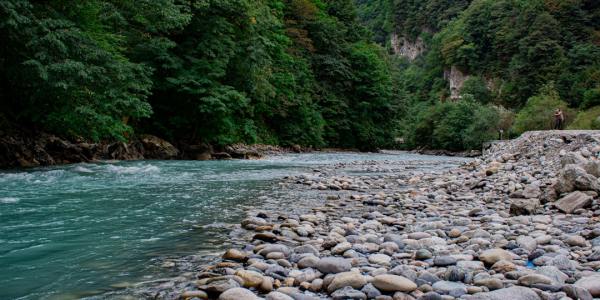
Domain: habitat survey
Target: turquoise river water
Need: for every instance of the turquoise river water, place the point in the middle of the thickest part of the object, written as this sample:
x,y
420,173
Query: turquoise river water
x,y
78,230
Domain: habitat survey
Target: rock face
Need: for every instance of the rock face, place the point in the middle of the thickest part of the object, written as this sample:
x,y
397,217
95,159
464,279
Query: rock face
x,y
43,149
572,201
405,48
456,79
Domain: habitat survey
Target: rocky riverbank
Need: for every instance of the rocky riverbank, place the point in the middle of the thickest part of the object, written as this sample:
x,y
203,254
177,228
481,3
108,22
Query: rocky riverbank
x,y
519,223
43,149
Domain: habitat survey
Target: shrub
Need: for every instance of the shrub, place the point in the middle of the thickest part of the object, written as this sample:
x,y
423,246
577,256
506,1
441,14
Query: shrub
x,y
587,119
538,113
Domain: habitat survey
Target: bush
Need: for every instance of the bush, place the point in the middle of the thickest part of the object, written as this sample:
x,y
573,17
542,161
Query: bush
x,y
587,119
454,126
538,113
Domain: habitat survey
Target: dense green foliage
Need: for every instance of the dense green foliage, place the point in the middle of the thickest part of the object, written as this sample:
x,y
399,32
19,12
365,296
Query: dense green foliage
x,y
210,71
510,49
587,119
307,72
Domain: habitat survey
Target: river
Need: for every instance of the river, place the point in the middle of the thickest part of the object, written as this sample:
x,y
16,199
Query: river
x,y
79,230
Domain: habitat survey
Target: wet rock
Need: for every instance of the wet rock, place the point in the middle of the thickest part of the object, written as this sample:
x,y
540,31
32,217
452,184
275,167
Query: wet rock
x,y
218,285
194,294
157,148
235,255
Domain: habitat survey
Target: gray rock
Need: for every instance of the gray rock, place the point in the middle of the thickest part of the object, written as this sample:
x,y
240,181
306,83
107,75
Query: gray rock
x,y
520,207
443,261
307,249
575,292
526,242
568,176
431,296
348,293
370,291
332,264
512,293
456,289
591,284
553,273
573,201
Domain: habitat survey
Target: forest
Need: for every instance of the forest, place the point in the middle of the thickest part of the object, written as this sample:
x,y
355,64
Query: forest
x,y
316,73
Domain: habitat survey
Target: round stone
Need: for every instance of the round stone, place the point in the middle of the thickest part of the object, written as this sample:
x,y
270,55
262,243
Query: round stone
x,y
393,283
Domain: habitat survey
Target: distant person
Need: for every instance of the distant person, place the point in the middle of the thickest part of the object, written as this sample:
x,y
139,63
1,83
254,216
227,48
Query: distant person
x,y
559,119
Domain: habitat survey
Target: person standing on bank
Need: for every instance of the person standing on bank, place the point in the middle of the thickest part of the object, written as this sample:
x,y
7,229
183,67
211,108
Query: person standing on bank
x,y
559,119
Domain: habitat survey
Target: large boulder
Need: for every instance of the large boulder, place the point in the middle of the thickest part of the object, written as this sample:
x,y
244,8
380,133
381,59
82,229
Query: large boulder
x,y
157,148
520,207
574,177
573,201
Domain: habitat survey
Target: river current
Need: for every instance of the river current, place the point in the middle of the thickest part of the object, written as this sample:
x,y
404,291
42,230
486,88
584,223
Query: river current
x,y
79,230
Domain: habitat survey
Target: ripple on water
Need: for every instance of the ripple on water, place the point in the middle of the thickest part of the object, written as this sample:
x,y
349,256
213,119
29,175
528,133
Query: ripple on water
x,y
9,200
144,169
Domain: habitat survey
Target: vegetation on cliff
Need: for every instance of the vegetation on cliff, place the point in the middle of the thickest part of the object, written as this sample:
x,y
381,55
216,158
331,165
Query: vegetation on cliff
x,y
526,56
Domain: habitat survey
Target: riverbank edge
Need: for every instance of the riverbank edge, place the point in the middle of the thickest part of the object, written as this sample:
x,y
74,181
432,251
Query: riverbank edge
x,y
44,149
